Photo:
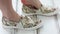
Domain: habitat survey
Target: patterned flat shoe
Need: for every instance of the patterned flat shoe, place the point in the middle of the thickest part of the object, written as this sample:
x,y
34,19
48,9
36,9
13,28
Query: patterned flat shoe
x,y
42,11
27,22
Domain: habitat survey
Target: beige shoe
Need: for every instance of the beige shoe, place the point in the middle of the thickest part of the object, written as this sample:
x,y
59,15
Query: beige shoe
x,y
42,11
25,22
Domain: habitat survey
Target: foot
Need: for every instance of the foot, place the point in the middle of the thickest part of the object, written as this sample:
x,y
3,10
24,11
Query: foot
x,y
36,4
13,16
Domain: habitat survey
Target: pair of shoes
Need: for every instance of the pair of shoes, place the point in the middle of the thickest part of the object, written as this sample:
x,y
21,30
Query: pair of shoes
x,y
27,22
43,10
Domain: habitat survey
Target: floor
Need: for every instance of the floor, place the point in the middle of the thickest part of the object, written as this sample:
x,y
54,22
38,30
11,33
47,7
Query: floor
x,y
50,26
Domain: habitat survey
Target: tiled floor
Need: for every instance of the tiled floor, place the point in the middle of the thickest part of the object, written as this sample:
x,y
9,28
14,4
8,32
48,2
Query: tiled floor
x,y
49,27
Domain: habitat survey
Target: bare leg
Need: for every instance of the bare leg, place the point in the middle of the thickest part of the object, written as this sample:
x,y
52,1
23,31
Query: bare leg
x,y
7,10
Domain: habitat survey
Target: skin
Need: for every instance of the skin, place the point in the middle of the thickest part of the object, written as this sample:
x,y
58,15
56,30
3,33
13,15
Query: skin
x,y
8,11
34,3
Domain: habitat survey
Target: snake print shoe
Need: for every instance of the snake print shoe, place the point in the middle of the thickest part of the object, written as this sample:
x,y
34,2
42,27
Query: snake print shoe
x,y
42,11
26,22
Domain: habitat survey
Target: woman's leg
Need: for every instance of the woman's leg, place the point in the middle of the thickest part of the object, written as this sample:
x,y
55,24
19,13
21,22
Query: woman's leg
x,y
8,11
